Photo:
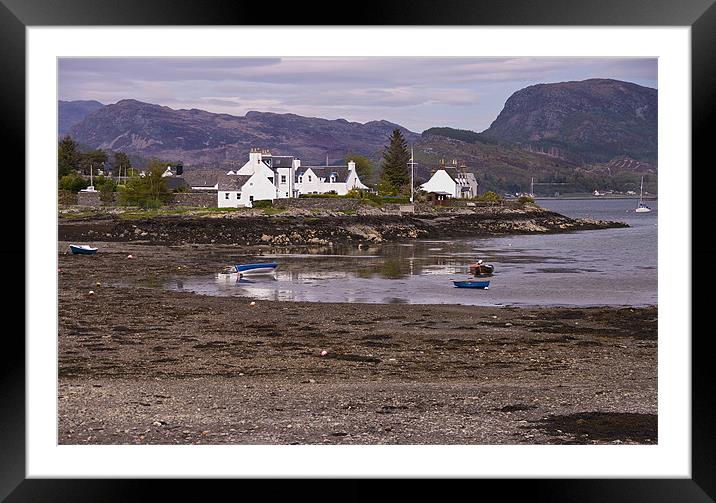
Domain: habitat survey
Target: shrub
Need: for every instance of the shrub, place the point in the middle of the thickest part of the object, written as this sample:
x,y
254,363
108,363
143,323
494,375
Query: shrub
x,y
525,200
319,196
490,196
396,199
73,182
106,191
264,203
366,196
149,191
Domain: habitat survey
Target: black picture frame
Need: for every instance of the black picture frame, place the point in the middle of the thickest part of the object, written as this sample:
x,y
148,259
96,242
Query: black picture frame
x,y
699,15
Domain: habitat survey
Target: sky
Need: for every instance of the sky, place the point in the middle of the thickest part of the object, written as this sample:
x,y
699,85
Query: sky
x,y
417,93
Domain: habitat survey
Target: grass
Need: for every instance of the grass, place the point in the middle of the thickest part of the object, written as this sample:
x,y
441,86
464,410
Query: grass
x,y
273,211
134,213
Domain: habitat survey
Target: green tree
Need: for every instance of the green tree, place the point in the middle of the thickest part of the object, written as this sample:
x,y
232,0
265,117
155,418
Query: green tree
x,y
490,196
94,160
396,176
73,182
365,169
122,164
106,190
148,191
68,157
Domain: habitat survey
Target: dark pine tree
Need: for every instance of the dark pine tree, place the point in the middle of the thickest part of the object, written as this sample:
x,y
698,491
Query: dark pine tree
x,y
395,163
68,157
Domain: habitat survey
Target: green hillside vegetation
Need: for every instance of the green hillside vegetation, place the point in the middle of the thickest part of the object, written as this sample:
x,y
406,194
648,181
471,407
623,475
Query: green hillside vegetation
x,y
506,168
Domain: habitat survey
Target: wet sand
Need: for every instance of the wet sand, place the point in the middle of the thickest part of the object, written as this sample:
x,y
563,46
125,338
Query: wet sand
x,y
150,366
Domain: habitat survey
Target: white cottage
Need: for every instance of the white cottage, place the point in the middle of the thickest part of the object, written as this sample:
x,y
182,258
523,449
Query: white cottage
x,y
269,177
325,179
452,182
235,191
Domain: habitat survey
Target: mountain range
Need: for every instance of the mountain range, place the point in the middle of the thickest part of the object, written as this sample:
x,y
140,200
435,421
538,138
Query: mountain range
x,y
596,126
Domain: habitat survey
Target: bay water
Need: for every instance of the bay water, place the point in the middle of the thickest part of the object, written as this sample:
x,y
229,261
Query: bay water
x,y
610,267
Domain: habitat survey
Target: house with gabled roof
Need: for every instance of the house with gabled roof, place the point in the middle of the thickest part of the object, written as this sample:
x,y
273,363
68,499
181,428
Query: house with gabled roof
x,y
452,181
236,191
327,179
287,178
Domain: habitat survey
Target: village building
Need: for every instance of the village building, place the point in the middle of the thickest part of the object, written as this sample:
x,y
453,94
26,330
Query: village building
x,y
267,177
328,179
452,182
236,191
173,178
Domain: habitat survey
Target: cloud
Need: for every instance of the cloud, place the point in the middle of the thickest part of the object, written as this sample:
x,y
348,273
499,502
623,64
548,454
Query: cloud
x,y
462,92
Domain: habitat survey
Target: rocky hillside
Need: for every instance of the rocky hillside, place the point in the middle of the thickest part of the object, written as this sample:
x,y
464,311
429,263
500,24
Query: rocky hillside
x,y
587,121
200,137
73,112
569,137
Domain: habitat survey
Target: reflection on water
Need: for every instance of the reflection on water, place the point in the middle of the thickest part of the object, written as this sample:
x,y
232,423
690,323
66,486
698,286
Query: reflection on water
x,y
605,267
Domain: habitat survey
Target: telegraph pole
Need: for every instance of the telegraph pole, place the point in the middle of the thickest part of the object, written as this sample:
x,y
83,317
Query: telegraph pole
x,y
412,166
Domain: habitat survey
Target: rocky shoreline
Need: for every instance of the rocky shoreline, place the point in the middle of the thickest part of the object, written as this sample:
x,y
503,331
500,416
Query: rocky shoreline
x,y
320,229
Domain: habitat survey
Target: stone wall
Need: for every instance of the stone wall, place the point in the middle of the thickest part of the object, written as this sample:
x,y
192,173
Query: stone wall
x,y
323,203
89,199
194,199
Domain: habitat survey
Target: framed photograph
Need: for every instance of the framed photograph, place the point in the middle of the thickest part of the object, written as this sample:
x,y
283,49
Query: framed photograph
x,y
429,244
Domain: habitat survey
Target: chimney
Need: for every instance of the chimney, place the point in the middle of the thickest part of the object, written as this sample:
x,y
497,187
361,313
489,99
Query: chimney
x,y
255,156
180,168
351,166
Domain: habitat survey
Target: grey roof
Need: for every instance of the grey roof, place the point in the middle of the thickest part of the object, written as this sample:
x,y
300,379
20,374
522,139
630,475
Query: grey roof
x,y
202,178
341,172
232,182
453,172
175,182
281,161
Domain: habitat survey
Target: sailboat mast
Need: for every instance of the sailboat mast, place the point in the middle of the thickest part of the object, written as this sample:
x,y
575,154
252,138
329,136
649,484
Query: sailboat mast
x,y
641,190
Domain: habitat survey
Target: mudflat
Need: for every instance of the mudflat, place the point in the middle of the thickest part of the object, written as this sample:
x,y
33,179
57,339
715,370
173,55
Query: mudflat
x,y
143,365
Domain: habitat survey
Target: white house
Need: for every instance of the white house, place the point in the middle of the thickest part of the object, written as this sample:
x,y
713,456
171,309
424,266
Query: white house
x,y
235,191
452,182
325,179
265,176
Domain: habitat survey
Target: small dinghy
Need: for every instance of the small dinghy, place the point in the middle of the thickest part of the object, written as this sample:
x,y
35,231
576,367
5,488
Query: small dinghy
x,y
82,250
472,284
250,269
481,269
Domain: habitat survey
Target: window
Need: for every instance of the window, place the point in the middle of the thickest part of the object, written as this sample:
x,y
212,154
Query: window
x,y
286,194
300,179
309,178
227,195
251,198
238,195
283,178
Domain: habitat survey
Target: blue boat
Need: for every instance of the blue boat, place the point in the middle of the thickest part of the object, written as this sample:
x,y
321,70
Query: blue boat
x,y
82,250
472,284
262,268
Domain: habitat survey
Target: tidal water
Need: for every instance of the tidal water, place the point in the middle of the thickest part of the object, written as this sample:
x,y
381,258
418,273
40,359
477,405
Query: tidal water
x,y
612,267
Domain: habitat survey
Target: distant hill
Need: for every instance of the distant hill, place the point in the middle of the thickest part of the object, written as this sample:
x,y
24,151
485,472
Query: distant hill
x,y
508,167
588,121
579,136
73,112
200,137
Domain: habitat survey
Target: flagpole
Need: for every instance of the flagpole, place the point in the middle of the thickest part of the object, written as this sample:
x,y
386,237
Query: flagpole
x,y
412,165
